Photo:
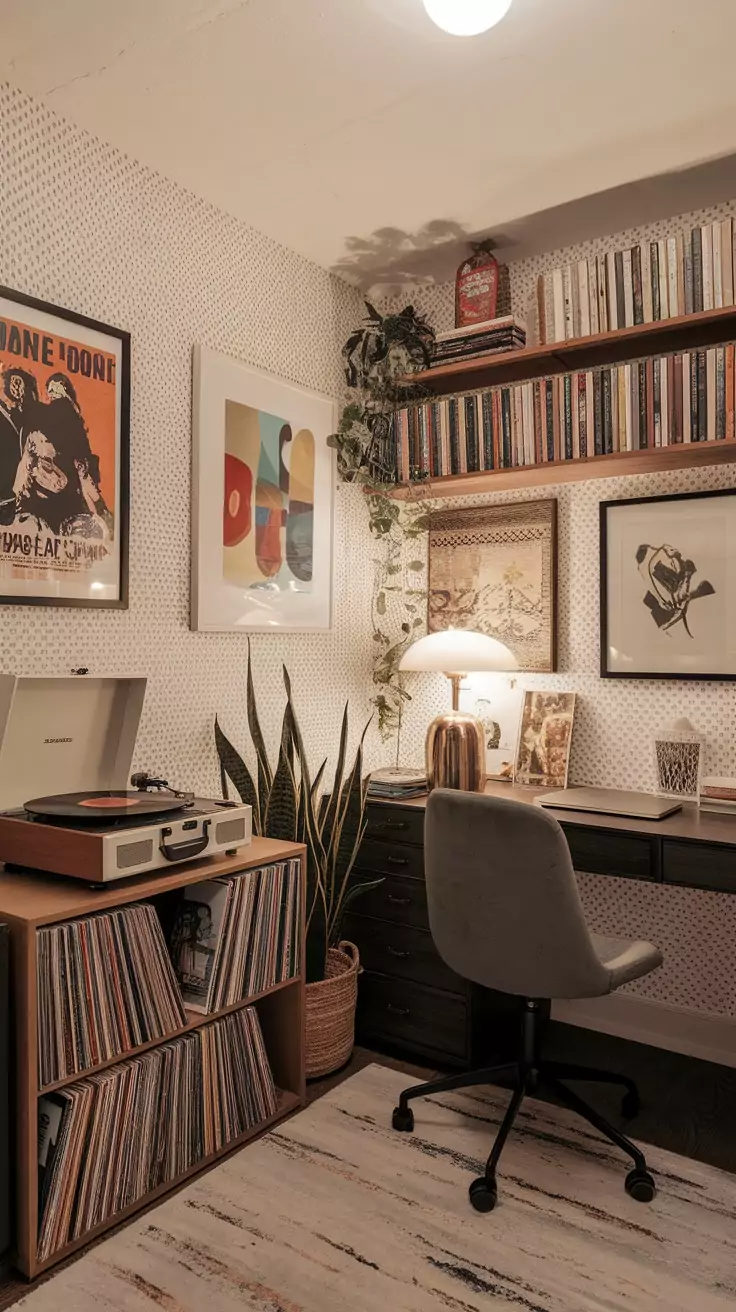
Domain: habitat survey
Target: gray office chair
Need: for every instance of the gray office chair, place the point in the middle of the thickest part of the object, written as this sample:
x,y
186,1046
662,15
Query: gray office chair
x,y
504,911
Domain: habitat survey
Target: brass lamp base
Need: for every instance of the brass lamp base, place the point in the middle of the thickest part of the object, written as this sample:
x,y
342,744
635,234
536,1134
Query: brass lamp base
x,y
456,752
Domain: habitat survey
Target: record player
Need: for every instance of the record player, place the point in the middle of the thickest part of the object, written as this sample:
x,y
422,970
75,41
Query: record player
x,y
78,735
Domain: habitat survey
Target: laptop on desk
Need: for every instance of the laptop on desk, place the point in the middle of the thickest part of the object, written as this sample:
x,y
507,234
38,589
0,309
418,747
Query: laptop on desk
x,y
611,801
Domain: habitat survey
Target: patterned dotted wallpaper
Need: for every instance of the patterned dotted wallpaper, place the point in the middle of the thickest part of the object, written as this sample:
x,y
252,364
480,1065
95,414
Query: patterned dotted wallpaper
x,y
91,229
85,227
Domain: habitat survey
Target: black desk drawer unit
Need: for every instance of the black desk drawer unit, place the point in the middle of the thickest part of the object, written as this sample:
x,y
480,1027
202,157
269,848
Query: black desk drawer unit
x,y
699,865
609,852
409,1016
408,997
403,952
390,857
399,824
398,899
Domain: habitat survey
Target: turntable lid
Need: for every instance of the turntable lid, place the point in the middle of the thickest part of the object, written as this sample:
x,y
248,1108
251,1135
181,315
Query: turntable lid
x,y
66,735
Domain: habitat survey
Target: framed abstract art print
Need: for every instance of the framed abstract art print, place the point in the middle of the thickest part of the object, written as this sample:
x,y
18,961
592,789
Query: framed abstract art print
x,y
64,430
262,501
668,587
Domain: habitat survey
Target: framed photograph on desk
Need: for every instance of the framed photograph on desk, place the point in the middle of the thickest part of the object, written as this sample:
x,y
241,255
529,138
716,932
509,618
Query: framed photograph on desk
x,y
668,587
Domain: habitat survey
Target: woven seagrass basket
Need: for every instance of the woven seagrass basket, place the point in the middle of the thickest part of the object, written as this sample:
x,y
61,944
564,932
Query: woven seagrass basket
x,y
331,1012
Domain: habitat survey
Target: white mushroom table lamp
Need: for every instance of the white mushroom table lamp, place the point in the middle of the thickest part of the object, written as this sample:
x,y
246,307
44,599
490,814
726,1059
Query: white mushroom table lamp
x,y
455,749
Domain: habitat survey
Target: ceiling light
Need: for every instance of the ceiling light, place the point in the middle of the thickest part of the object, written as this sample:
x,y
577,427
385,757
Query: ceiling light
x,y
466,17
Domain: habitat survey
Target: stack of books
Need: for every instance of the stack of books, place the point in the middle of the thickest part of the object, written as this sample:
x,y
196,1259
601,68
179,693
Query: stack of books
x,y
396,783
655,280
718,795
663,401
105,986
487,338
234,938
107,1140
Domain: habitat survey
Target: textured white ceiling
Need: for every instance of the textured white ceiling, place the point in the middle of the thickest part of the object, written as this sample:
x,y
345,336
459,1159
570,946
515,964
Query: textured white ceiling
x,y
326,122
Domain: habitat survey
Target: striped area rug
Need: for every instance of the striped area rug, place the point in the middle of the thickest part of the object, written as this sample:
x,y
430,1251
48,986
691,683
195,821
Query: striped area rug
x,y
336,1212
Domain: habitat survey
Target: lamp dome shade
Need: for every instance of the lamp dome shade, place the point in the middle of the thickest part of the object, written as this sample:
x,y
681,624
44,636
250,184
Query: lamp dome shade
x,y
458,650
466,17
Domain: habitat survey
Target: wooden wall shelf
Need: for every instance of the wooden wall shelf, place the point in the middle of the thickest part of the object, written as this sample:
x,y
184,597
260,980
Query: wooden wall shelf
x,y
685,333
686,456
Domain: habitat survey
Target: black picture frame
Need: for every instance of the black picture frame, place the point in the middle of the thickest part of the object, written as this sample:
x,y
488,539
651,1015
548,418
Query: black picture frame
x,y
122,517
606,507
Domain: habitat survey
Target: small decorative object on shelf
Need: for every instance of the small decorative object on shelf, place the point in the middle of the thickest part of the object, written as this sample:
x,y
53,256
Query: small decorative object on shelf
x,y
678,754
718,794
476,286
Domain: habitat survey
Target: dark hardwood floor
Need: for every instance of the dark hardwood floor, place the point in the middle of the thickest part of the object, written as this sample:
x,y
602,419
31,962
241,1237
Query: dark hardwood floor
x,y
687,1105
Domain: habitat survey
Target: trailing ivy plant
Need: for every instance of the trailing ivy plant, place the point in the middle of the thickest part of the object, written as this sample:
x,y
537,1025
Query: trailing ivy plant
x,y
379,359
288,804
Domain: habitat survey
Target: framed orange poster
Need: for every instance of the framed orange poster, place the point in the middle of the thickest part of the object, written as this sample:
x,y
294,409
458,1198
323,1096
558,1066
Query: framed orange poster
x,y
64,452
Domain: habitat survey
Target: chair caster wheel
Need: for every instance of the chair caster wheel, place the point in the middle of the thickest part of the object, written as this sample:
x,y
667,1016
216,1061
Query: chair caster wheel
x,y
483,1194
630,1105
403,1120
640,1186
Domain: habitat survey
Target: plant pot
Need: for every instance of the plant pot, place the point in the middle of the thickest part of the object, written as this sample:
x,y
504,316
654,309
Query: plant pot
x,y
331,1012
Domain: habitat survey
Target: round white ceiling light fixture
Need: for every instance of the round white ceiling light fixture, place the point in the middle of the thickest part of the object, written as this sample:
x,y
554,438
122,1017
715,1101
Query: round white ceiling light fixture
x,y
466,17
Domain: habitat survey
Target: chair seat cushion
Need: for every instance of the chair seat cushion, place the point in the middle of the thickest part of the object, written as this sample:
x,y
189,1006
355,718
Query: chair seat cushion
x,y
626,959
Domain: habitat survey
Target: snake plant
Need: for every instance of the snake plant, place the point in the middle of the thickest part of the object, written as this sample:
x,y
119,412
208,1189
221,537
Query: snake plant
x,y
288,804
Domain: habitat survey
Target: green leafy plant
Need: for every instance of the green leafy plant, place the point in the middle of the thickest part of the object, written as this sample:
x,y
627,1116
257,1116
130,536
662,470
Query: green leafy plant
x,y
380,358
288,805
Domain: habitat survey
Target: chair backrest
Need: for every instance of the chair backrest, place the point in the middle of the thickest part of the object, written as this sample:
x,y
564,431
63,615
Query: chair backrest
x,y
503,901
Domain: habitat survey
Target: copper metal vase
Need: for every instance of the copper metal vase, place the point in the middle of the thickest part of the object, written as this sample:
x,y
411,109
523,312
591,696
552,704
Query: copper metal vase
x,y
456,752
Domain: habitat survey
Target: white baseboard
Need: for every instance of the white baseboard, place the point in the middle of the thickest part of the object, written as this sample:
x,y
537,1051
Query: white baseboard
x,y
697,1034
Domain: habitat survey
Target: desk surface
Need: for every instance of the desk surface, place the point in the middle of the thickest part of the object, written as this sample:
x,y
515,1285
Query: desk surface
x,y
688,824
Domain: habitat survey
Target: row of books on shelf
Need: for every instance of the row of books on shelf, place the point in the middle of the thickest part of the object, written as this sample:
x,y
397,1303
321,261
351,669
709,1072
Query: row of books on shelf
x,y
110,982
654,280
648,404
106,1141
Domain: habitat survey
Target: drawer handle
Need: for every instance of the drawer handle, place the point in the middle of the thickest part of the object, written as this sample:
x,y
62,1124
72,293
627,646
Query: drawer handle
x,y
397,860
399,901
395,824
396,952
397,1011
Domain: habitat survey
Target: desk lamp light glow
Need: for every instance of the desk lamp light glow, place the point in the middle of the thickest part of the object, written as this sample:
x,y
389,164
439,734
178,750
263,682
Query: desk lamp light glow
x,y
455,748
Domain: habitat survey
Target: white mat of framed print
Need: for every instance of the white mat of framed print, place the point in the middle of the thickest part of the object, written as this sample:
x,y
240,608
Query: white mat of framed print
x,y
262,500
64,421
668,587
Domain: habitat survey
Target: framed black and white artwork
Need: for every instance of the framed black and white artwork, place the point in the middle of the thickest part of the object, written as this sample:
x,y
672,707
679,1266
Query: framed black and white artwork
x,y
668,587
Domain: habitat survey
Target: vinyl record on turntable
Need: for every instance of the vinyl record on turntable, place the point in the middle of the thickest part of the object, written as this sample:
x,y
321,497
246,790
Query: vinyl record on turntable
x,y
106,804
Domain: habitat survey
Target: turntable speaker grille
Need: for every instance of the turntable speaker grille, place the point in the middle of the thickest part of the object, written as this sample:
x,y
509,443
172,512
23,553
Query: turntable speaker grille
x,y
230,831
133,854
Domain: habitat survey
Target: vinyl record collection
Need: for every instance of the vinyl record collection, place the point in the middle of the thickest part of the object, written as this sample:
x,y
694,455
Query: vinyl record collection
x,y
105,986
106,1141
655,280
233,938
688,397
